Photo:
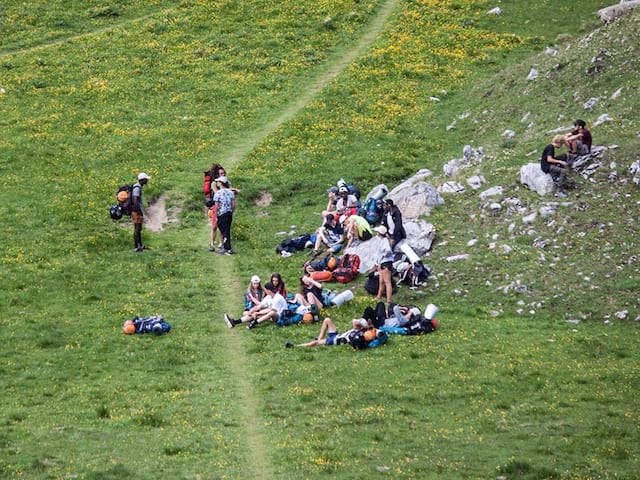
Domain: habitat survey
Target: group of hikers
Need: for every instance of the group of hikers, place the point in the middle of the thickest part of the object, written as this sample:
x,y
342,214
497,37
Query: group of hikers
x,y
344,223
578,143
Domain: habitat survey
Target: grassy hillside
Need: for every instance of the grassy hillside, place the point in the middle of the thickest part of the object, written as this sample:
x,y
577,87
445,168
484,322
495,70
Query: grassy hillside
x,y
532,375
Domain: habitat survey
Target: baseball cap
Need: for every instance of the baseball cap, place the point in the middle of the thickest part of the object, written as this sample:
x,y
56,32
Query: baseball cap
x,y
222,179
332,190
255,279
363,323
143,176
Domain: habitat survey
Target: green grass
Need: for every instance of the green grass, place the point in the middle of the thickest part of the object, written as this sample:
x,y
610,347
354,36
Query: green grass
x,y
507,387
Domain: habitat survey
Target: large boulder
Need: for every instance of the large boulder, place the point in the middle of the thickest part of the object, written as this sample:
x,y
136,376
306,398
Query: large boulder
x,y
420,236
415,197
532,177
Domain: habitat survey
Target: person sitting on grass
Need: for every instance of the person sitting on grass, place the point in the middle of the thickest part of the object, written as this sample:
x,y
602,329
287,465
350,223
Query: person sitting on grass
x,y
278,282
270,308
329,334
310,292
330,234
254,294
556,165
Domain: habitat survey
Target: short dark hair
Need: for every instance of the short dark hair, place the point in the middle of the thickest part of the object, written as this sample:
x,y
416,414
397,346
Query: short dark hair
x,y
389,202
269,286
329,218
580,123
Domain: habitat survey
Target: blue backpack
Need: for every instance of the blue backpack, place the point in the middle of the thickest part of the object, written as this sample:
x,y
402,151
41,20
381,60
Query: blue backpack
x,y
154,324
372,210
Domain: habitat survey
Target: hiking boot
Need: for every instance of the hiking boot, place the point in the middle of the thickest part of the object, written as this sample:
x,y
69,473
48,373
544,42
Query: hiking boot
x,y
252,324
288,345
139,249
212,248
230,321
227,252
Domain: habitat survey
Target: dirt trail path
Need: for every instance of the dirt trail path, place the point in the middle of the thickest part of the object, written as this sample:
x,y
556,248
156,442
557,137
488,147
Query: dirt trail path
x,y
248,143
255,439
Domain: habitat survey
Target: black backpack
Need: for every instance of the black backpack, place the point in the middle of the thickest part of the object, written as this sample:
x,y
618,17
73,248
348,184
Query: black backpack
x,y
125,202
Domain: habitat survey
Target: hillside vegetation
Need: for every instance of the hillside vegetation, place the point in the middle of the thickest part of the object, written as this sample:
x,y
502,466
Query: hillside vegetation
x,y
533,373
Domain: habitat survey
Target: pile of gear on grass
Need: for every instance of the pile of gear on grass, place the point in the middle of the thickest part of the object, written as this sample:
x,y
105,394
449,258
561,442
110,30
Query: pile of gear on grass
x,y
154,324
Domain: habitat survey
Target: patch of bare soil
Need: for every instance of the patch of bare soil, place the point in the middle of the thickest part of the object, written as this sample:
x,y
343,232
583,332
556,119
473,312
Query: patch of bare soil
x,y
264,200
156,215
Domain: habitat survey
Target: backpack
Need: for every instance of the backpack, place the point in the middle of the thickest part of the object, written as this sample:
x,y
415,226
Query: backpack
x,y
154,324
350,261
347,268
125,202
372,210
372,283
343,275
415,275
206,189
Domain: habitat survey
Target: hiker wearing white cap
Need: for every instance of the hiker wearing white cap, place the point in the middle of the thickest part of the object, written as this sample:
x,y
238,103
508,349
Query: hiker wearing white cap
x,y
224,203
137,211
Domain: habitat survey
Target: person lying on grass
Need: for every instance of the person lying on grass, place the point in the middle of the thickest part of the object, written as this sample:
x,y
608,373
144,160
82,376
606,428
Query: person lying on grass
x,y
329,334
269,309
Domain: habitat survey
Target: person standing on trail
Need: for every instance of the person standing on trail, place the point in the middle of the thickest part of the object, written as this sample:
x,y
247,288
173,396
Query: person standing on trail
x,y
137,211
224,203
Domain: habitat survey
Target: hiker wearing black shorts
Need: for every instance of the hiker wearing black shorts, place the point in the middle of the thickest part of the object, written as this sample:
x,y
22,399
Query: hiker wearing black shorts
x,y
137,211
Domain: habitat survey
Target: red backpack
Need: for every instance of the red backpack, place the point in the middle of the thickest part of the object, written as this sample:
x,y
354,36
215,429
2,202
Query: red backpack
x,y
347,268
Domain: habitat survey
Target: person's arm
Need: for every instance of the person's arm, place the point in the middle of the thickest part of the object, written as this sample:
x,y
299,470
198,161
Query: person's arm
x,y
233,204
551,159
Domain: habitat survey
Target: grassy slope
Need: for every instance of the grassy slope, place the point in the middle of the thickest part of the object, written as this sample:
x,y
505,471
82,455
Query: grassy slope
x,y
483,395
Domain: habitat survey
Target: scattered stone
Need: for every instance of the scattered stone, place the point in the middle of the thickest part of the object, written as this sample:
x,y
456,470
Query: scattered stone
x,y
616,94
455,258
495,207
525,117
434,99
548,210
451,187
416,199
551,51
508,134
589,104
601,119
491,192
533,74
472,242
531,218
476,181
623,314
495,11
506,249
383,468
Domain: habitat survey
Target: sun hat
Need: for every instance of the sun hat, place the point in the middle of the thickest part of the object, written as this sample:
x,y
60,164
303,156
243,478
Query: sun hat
x,y
255,279
222,179
381,229
143,176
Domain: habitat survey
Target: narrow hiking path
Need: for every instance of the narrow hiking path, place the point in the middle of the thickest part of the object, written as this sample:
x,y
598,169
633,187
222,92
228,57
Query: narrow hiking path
x,y
248,143
233,289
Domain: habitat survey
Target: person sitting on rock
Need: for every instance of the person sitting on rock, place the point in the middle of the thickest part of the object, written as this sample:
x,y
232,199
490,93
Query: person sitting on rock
x,y
330,336
357,228
579,140
556,165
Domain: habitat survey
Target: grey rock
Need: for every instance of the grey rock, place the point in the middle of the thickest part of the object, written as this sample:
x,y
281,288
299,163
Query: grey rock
x,y
531,218
451,187
476,181
491,192
589,104
532,177
533,74
456,258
